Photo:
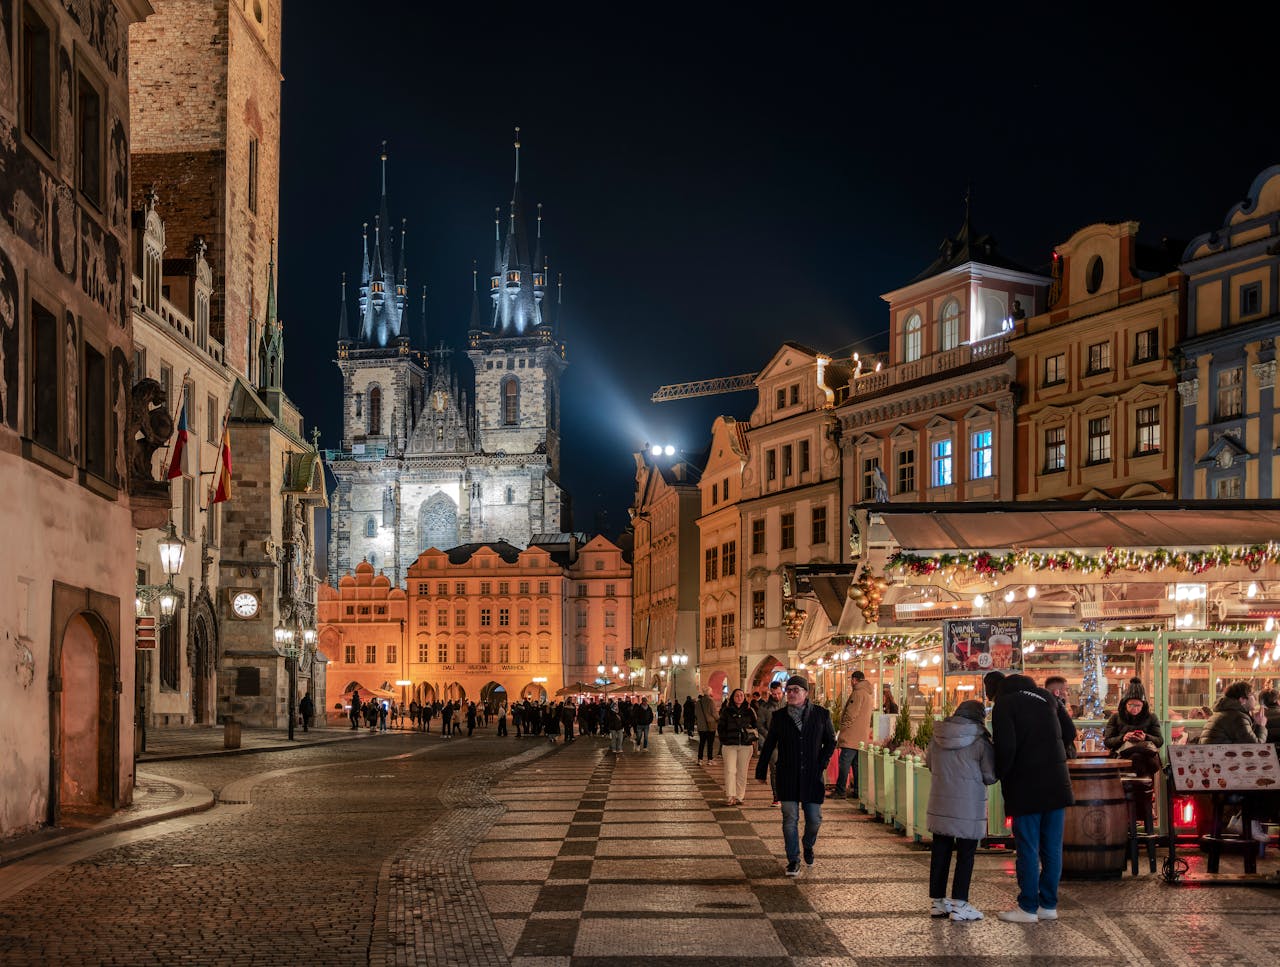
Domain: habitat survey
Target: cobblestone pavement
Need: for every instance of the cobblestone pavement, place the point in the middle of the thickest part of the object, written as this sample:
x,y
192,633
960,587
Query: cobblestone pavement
x,y
629,860
187,742
414,850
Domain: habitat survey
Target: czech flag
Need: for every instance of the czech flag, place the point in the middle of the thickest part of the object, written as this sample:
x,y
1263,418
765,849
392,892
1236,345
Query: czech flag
x,y
179,447
222,483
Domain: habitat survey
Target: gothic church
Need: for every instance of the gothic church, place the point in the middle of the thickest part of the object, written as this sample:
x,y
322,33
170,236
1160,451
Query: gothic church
x,y
419,465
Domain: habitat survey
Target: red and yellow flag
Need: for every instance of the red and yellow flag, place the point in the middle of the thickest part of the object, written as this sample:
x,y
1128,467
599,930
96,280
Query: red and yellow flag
x,y
222,482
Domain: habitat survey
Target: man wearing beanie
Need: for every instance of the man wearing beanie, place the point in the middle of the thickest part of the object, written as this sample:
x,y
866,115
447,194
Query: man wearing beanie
x,y
801,733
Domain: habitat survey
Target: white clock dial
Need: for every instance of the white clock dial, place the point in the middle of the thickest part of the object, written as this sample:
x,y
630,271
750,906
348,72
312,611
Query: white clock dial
x,y
245,604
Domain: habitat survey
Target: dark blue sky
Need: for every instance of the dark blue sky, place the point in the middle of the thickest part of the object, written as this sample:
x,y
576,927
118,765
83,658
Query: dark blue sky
x,y
716,184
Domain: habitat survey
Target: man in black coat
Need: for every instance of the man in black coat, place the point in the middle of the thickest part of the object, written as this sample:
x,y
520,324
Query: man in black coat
x,y
804,738
1031,764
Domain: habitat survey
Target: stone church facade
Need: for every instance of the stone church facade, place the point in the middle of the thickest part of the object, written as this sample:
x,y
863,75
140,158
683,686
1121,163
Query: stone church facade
x,y
420,466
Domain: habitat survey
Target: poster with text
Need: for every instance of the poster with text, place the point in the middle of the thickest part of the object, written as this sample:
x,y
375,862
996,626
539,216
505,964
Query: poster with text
x,y
975,646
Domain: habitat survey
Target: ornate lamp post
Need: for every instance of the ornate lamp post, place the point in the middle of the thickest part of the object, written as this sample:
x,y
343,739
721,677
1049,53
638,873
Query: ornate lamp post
x,y
286,643
172,552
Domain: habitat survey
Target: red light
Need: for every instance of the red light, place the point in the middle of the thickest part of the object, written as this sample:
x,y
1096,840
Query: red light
x,y
1056,256
1185,810
1008,822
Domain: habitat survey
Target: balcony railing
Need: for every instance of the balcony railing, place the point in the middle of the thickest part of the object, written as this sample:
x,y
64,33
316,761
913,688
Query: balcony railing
x,y
931,365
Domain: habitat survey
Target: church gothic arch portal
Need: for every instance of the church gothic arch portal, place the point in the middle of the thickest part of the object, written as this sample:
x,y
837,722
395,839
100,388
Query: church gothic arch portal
x,y
437,523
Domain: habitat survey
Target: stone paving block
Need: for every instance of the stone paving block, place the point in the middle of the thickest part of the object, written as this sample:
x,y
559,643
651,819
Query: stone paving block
x,y
505,898
665,898
677,937
663,848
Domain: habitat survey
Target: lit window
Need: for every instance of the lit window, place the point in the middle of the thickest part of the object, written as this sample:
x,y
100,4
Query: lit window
x,y
942,463
869,467
950,324
980,451
788,531
906,471
1099,357
1227,487
1100,439
757,609
911,338
1055,369
819,522
1230,393
1148,422
1146,345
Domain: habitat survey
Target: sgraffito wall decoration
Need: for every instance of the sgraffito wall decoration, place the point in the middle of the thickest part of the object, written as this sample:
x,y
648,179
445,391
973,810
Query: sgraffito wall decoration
x,y
101,25
119,416
9,302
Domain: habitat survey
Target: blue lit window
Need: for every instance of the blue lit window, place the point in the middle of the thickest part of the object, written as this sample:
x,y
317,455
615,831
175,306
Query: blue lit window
x,y
980,452
942,463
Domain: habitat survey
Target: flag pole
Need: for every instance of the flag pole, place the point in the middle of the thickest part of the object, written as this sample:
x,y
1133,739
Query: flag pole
x,y
226,419
186,378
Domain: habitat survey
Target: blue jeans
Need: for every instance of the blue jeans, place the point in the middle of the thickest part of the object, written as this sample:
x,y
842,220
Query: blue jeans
x,y
848,764
641,736
791,827
615,740
1039,862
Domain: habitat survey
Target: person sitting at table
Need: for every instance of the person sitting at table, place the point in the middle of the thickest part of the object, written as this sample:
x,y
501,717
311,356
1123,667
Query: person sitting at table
x,y
1134,733
1271,708
1237,718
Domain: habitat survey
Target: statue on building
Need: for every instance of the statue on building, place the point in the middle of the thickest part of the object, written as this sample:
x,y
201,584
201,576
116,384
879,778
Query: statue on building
x,y
150,427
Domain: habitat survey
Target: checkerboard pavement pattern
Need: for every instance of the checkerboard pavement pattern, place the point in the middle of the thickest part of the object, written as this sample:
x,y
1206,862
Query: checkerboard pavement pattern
x,y
606,861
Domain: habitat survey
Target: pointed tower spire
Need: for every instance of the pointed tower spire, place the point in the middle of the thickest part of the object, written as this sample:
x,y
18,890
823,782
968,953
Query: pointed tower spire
x,y
364,240
271,285
537,253
403,274
475,296
344,333
424,318
517,154
377,248
271,367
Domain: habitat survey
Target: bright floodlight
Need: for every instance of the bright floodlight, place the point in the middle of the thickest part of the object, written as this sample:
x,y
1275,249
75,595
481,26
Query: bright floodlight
x,y
657,450
669,450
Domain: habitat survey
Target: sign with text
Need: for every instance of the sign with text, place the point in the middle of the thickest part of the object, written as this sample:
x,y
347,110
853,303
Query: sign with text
x,y
144,633
1218,768
980,645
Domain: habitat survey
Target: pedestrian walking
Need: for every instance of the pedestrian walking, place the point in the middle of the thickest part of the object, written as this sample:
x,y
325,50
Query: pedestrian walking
x,y
446,720
613,727
661,716
567,715
428,713
706,718
961,761
382,716
355,708
805,740
517,718
1031,764
502,719
307,709
641,719
737,730
855,728
773,701
689,714
471,718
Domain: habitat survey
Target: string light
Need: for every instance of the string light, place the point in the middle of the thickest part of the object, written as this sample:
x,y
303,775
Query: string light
x,y
986,564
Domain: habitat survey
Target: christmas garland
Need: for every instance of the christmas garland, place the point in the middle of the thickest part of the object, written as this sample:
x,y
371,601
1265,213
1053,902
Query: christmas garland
x,y
1110,560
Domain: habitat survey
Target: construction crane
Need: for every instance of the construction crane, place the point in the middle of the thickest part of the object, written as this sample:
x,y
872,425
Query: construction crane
x,y
704,387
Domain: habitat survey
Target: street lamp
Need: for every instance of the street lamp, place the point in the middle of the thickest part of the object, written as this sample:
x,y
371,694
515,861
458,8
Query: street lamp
x,y
172,551
286,642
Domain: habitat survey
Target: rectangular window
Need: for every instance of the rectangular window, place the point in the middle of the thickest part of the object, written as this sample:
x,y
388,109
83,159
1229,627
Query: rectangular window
x,y
611,619
544,587
460,618
460,588
819,525
504,587
214,420
188,507
486,652
1100,439
370,654
580,619
392,657
804,462
942,463
349,654
504,652
524,617
504,617
780,400
1146,345
524,587
610,590
544,652
1227,487
727,637
544,617
1099,358
424,653
582,590
770,465
95,412
724,484
729,558
1055,449
757,609
89,146
711,558
45,396
486,587
757,537
795,394
442,589
37,78
442,652
1148,435
1055,369
442,617
460,652
139,366
788,531
709,631
423,620
1230,393
906,471
1250,299
486,617
786,462
869,467
253,175
980,455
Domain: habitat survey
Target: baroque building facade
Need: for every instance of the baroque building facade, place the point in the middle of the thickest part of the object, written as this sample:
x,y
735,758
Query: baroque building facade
x,y
76,487
419,466
720,539
1227,360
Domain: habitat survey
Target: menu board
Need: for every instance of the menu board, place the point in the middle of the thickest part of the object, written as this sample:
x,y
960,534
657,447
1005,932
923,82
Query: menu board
x,y
980,645
1217,768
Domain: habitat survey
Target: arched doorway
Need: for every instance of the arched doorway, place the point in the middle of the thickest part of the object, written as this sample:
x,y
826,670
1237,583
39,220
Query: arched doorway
x,y
424,693
719,685
86,719
201,664
766,672
534,692
437,523
493,695
455,692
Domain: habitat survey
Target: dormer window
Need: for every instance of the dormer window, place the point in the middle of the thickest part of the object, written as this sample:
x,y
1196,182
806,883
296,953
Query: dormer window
x,y
538,280
494,282
377,287
513,277
911,341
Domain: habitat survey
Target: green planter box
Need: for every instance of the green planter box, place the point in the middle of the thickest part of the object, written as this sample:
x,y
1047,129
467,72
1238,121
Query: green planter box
x,y
901,791
886,790
866,779
922,779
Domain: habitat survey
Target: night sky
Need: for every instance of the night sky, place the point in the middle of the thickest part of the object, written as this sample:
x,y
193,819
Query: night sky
x,y
713,187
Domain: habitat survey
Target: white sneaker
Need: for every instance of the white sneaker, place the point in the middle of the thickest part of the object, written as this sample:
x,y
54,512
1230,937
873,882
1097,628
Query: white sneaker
x,y
1018,915
939,908
1045,914
962,910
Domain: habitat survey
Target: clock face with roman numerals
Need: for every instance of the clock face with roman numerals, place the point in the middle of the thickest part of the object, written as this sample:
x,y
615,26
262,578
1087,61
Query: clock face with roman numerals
x,y
245,604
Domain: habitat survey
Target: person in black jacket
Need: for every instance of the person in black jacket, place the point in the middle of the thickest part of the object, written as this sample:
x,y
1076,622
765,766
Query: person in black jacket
x,y
804,738
1134,733
1031,764
737,730
641,719
688,715
613,728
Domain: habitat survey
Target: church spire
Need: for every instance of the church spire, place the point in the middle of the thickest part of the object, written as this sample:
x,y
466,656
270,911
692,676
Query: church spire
x,y
271,366
344,332
475,297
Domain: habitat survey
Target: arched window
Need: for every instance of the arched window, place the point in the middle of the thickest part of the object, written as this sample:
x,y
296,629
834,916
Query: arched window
x,y
911,339
950,316
370,528
375,410
510,402
511,495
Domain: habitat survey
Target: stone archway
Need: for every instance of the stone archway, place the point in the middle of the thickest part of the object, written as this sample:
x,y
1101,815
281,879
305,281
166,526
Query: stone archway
x,y
425,693
718,683
766,672
86,733
533,691
455,692
437,523
492,695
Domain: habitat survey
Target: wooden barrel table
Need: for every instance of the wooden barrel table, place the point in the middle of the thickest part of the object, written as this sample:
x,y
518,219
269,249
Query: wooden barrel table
x,y
1095,836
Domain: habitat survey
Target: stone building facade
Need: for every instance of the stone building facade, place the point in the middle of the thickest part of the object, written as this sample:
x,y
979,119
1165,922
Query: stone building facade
x,y
419,467
172,345
720,539
1227,362
1098,409
67,412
